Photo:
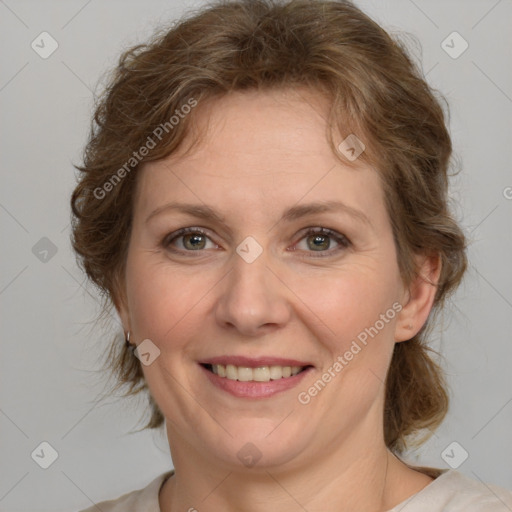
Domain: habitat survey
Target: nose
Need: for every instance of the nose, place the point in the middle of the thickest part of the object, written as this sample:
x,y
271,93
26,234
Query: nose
x,y
253,300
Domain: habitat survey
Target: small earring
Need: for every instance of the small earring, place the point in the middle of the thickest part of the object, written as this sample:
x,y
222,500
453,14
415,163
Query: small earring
x,y
409,326
127,339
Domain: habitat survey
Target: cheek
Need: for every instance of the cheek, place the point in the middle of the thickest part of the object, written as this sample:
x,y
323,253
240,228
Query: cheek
x,y
162,299
346,302
357,308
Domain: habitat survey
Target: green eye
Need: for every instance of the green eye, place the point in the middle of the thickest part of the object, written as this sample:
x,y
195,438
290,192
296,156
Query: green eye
x,y
193,239
320,240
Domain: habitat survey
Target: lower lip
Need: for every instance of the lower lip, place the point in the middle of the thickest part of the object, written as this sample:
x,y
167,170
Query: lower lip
x,y
254,389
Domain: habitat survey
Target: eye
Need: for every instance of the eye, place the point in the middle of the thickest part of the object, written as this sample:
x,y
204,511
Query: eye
x,y
187,239
320,240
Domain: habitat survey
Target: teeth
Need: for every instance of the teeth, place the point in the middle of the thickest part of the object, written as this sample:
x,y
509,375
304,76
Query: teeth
x,y
245,374
261,374
231,372
276,372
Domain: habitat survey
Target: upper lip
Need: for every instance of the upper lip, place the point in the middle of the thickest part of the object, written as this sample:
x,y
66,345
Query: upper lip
x,y
254,362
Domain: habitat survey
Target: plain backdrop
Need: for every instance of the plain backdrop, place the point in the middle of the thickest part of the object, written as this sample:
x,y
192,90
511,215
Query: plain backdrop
x,y
49,360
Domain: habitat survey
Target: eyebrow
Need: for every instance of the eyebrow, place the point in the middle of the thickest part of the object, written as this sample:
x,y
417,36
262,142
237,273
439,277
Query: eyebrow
x,y
293,213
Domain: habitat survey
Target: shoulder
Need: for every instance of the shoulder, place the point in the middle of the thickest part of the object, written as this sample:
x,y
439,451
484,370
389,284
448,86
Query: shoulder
x,y
454,492
142,500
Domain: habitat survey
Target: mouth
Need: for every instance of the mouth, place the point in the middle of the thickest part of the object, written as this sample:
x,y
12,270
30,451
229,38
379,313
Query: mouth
x,y
254,378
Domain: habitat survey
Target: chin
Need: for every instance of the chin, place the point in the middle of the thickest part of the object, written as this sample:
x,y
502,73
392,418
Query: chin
x,y
261,443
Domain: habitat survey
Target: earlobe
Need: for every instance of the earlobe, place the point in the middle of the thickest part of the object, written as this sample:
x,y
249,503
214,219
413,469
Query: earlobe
x,y
420,298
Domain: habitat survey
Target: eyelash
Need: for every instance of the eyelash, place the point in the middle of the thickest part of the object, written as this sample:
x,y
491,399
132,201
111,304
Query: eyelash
x,y
342,240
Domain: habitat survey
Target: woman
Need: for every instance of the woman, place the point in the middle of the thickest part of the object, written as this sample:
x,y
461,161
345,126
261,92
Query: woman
x,y
264,202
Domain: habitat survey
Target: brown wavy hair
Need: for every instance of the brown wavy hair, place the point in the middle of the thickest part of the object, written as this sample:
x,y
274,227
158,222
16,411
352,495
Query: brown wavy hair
x,y
375,90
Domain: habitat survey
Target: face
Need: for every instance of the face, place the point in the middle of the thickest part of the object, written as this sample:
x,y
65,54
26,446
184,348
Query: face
x,y
262,284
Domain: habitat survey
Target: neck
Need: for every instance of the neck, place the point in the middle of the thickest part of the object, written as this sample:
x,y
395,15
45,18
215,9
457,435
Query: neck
x,y
343,480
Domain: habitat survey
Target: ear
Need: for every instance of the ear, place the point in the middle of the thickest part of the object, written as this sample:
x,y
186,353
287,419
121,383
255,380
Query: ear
x,y
418,299
124,316
120,303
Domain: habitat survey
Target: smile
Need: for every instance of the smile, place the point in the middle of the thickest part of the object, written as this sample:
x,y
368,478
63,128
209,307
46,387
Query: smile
x,y
254,378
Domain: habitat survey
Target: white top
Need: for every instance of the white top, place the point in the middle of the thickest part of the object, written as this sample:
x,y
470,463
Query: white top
x,y
450,492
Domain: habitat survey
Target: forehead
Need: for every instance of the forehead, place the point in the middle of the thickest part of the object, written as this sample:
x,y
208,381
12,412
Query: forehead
x,y
260,150
283,124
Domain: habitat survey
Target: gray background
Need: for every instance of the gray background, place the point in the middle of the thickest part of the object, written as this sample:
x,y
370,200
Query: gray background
x,y
50,347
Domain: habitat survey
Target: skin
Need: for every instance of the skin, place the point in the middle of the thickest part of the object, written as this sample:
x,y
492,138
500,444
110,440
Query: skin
x,y
264,152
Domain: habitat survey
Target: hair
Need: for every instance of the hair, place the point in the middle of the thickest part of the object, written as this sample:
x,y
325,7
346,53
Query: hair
x,y
375,91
